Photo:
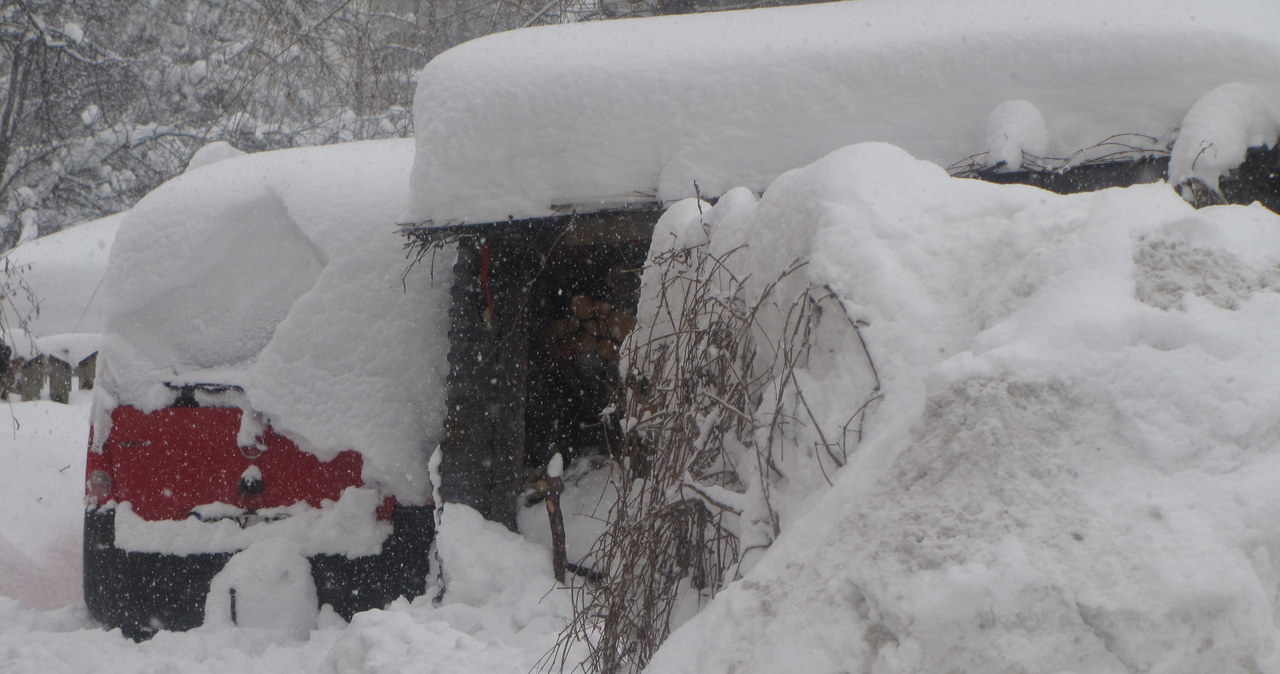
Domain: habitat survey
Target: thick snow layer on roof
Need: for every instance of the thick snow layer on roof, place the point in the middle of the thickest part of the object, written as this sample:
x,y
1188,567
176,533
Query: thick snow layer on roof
x,y
1073,466
281,273
63,271
515,123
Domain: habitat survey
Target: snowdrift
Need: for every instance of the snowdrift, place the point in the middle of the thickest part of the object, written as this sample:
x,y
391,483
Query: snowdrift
x,y
281,273
64,272
1073,465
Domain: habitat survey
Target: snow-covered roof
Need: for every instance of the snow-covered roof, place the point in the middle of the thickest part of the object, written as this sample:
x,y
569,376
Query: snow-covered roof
x,y
517,123
63,271
280,272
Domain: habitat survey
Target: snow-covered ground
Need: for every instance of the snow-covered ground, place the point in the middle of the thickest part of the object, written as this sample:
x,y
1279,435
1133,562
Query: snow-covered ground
x,y
502,612
1073,467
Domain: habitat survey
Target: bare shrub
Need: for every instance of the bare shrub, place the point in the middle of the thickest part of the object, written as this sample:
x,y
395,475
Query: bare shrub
x,y
710,404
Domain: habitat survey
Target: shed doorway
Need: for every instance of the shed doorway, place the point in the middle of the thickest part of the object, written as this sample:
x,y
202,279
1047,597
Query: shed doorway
x,y
538,314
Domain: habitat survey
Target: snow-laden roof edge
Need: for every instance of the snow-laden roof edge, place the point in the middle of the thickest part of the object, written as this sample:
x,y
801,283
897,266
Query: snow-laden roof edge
x,y
514,124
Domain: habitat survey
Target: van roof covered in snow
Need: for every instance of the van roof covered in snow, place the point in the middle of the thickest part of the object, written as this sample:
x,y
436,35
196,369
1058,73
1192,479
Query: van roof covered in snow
x,y
529,123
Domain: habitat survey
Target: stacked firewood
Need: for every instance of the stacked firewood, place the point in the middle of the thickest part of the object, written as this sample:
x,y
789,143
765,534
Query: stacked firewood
x,y
593,329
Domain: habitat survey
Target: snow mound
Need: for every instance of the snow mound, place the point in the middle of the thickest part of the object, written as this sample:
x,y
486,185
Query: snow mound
x,y
1072,468
500,605
266,586
213,152
1218,130
1015,129
280,272
42,477
64,272
519,123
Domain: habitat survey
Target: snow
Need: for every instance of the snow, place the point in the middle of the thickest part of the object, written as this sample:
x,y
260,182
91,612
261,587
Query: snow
x,y
73,31
345,527
281,273
1071,467
501,613
518,123
213,152
64,272
42,491
1072,470
267,586
1220,127
90,114
1015,129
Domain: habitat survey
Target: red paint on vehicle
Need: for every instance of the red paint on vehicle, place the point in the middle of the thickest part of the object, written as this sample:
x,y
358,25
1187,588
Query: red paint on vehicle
x,y
167,462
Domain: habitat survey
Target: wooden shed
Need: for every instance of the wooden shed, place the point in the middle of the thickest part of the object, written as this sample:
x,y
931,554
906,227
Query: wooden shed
x,y
616,118
539,311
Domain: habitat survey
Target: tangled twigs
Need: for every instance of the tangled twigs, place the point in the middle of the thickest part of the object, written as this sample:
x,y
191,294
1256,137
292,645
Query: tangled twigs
x,y
713,398
1121,147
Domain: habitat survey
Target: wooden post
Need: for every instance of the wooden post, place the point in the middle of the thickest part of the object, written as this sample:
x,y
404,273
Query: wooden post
x,y
59,380
8,378
32,381
553,486
87,370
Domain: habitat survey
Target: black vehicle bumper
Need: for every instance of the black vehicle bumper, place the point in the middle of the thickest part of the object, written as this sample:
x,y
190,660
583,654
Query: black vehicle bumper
x,y
141,592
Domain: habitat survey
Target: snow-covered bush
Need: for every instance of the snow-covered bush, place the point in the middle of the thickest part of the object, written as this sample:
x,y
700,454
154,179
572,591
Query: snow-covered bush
x,y
722,436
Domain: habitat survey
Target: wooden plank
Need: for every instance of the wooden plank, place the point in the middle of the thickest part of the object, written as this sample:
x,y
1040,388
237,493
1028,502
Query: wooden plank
x,y
87,371
59,380
31,381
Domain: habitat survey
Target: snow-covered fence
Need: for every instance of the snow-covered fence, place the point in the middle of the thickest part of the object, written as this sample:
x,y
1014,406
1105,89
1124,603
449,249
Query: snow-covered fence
x,y
48,377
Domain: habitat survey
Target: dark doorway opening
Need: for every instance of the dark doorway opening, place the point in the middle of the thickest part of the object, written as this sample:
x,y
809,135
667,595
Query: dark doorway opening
x,y
539,313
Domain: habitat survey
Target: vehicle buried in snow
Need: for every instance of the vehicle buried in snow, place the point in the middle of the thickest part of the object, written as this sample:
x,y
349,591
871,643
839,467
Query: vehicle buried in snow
x,y
266,377
224,288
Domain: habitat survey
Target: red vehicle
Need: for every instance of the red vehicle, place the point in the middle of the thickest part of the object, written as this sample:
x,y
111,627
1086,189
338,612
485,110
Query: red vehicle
x,y
173,464
183,475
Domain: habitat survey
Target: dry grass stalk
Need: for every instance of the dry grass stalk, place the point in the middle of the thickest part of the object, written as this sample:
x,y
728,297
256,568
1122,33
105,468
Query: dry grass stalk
x,y
710,402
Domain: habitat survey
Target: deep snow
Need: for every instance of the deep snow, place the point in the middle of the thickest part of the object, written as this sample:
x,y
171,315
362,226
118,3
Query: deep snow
x,y
518,123
501,613
64,272
1072,468
281,273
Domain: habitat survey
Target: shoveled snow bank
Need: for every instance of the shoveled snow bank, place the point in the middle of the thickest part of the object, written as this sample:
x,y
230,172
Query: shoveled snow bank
x,y
516,123
281,273
1073,468
42,490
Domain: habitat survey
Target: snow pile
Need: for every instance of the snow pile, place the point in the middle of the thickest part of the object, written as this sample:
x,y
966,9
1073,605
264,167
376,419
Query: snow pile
x,y
267,586
518,123
42,490
213,152
501,613
64,272
1015,129
343,527
281,273
1218,130
1073,466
